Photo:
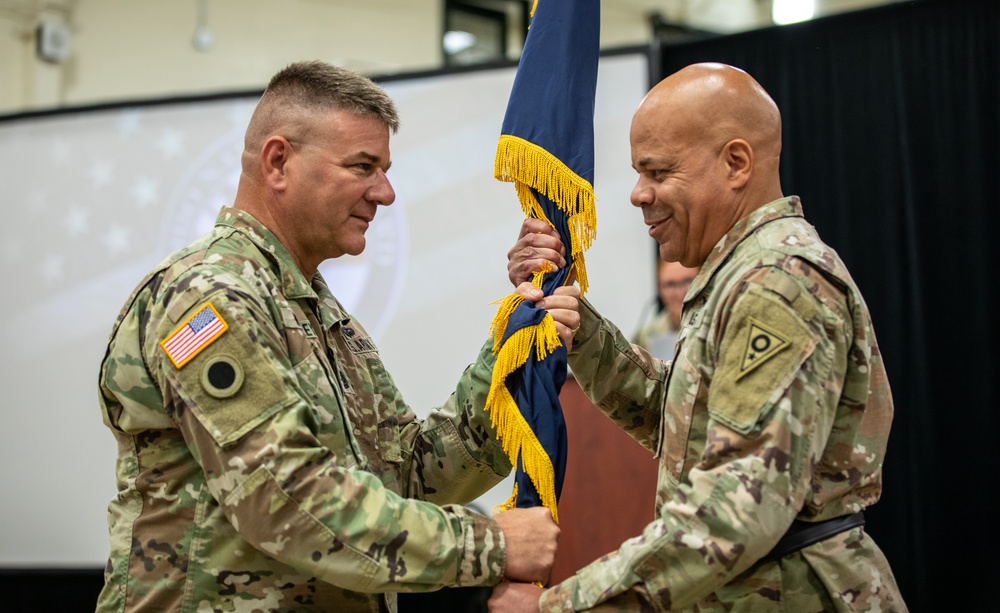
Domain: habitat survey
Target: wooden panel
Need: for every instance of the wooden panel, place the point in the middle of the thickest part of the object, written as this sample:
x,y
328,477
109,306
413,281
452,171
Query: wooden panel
x,y
609,489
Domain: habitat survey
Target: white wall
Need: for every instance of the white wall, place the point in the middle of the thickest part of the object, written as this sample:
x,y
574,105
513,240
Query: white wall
x,y
140,49
94,199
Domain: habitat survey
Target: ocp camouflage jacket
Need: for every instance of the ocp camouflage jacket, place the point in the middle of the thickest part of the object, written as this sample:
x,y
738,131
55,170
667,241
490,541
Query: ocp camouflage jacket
x,y
266,460
776,406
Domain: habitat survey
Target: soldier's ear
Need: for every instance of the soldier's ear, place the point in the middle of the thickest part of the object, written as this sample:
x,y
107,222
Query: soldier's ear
x,y
737,155
274,156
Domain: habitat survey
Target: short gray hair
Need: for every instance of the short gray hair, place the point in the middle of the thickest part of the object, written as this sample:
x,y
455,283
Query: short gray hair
x,y
315,85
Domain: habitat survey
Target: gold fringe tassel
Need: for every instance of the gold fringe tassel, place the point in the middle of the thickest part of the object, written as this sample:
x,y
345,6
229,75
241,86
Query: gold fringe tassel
x,y
529,167
499,324
508,305
516,435
509,504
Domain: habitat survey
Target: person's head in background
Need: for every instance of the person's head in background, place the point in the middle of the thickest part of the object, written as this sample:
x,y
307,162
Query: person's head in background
x,y
672,281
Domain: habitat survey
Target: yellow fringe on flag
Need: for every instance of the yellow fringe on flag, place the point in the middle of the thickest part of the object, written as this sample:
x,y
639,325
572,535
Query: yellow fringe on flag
x,y
516,435
509,504
509,304
499,325
530,167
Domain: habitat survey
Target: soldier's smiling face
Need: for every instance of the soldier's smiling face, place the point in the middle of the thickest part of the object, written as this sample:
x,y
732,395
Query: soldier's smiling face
x,y
336,181
681,188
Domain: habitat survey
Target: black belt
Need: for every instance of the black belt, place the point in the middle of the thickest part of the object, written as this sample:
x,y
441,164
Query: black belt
x,y
804,533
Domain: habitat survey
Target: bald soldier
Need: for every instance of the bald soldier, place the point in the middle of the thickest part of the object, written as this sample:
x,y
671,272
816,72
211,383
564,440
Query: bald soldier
x,y
266,460
770,423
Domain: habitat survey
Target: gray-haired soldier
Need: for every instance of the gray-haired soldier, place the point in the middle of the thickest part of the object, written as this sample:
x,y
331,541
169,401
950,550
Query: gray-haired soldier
x,y
266,459
771,421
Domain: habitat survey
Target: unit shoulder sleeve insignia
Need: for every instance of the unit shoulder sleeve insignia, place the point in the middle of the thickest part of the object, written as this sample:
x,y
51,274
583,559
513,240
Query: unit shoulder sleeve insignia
x,y
762,344
765,344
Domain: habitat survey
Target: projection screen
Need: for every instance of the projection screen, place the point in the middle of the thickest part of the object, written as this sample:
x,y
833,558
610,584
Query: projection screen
x,y
95,198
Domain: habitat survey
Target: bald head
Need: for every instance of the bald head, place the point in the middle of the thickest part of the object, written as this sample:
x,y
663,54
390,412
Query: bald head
x,y
716,103
706,143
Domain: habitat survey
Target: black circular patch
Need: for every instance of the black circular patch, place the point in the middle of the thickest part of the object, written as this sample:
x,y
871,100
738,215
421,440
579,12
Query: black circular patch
x,y
760,343
221,375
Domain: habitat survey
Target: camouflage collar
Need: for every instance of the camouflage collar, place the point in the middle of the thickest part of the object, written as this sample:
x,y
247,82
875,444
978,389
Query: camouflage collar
x,y
331,310
777,209
293,282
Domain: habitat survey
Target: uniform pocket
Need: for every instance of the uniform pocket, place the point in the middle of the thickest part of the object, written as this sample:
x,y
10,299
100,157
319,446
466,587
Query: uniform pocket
x,y
684,390
388,405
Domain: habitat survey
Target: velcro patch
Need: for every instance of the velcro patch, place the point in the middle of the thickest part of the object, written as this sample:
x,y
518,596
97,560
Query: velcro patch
x,y
192,336
765,344
236,384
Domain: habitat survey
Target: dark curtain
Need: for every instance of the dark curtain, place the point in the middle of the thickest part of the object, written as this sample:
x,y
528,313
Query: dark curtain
x,y
890,115
52,590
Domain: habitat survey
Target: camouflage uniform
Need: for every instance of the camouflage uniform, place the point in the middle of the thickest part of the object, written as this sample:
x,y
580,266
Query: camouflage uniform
x,y
275,469
776,406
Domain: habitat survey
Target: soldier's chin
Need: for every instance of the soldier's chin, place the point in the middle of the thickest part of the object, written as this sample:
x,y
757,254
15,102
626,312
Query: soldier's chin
x,y
357,249
667,253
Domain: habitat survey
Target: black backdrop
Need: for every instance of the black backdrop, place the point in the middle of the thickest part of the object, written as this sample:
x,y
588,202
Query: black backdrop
x,y
890,117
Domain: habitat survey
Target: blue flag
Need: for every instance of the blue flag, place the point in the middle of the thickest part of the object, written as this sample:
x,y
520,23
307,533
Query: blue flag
x,y
546,149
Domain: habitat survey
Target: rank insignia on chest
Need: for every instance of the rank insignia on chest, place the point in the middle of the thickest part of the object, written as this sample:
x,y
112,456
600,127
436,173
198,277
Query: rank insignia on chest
x,y
762,343
192,336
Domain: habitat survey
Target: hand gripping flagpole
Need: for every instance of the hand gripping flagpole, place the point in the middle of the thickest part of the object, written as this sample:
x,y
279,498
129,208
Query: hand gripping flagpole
x,y
546,149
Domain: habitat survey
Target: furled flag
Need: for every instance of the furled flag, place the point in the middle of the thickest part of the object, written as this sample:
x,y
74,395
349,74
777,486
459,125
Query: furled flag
x,y
546,149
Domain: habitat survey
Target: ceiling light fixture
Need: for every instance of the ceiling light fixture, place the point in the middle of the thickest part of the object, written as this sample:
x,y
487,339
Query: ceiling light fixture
x,y
792,11
456,41
202,39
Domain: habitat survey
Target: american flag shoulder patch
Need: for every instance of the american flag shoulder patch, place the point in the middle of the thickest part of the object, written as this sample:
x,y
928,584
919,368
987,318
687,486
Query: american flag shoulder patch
x,y
193,335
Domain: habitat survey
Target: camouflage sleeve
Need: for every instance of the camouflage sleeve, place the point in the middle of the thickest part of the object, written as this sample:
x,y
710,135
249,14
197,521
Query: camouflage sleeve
x,y
456,453
776,366
301,500
622,379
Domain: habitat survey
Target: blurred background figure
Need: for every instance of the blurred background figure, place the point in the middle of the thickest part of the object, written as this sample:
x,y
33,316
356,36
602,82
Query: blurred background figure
x,y
659,335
